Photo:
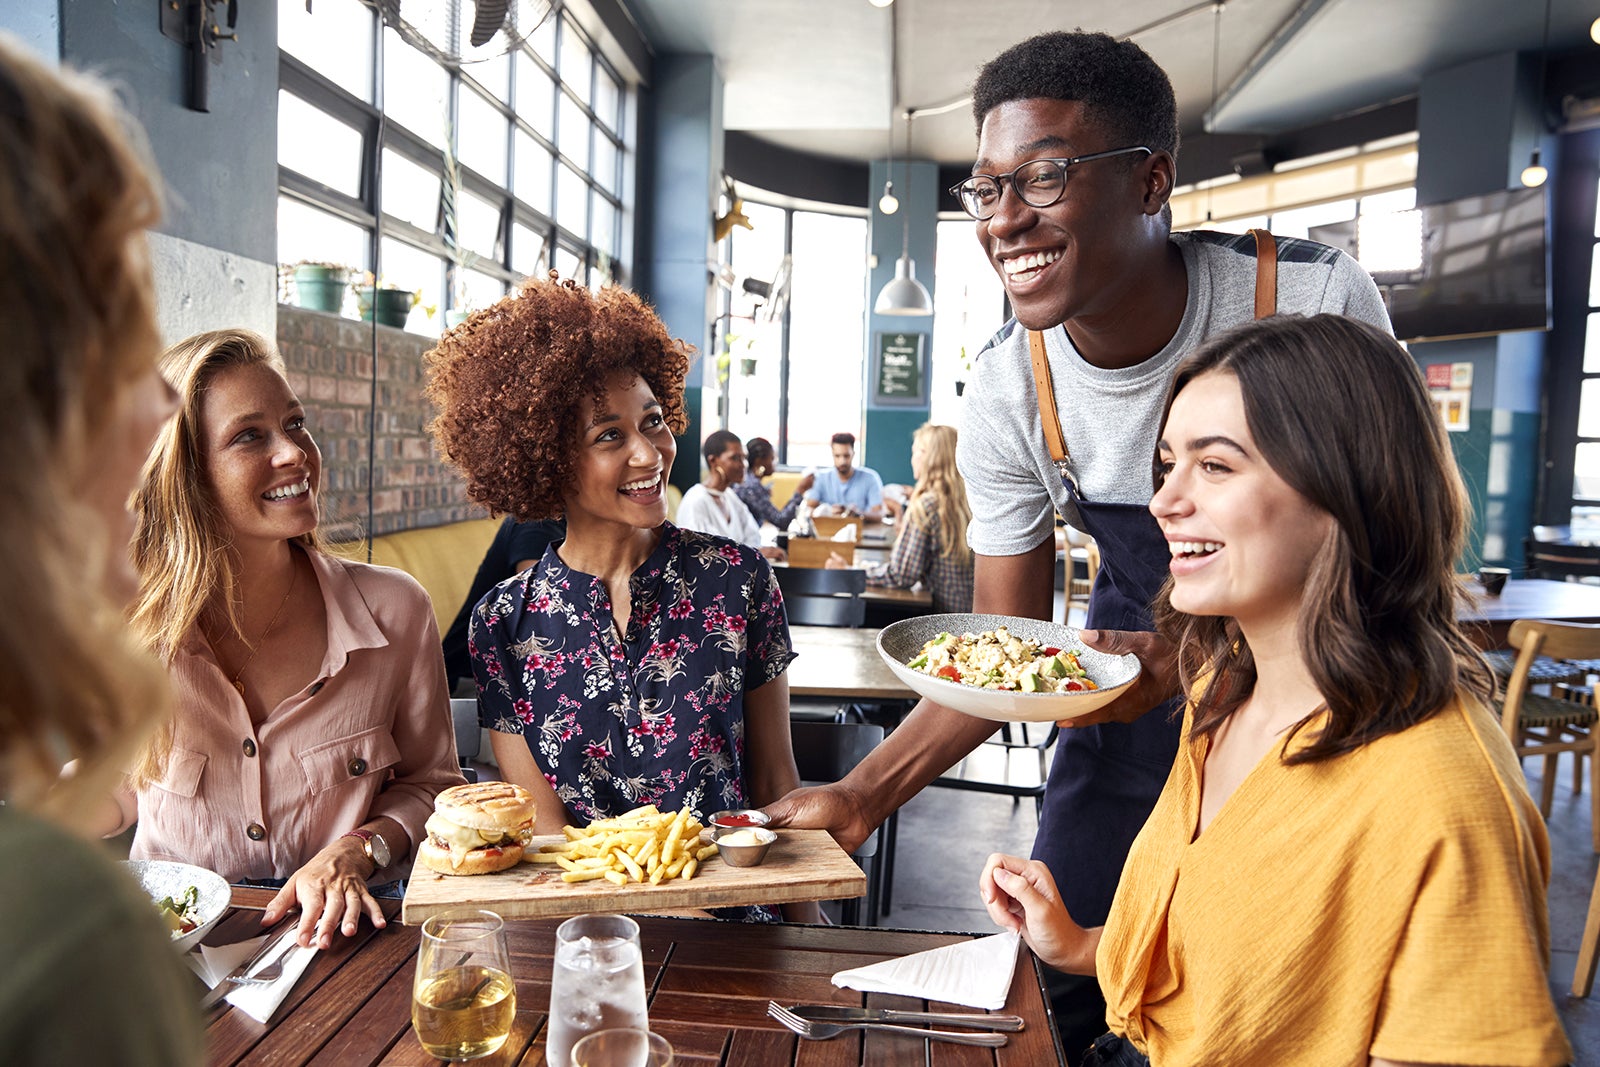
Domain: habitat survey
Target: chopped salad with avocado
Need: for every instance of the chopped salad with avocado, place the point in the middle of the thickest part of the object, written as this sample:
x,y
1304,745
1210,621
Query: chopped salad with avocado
x,y
995,659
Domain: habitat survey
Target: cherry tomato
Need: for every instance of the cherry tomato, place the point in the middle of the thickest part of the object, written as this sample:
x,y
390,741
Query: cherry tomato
x,y
1072,685
1048,651
948,671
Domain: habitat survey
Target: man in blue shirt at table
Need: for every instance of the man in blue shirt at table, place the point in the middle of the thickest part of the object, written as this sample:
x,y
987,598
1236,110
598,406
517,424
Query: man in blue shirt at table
x,y
847,489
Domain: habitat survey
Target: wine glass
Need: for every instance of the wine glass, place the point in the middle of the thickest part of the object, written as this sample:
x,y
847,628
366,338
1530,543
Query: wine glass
x,y
464,1000
622,1048
597,982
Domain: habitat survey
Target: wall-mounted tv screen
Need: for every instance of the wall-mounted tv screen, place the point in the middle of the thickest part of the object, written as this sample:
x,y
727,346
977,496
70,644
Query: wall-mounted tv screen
x,y
1481,267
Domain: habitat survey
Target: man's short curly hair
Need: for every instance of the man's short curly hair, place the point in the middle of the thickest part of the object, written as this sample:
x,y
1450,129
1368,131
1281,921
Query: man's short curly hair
x,y
509,383
1117,81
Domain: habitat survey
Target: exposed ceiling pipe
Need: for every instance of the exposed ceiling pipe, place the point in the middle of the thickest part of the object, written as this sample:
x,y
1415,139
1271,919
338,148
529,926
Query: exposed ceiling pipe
x,y
1286,32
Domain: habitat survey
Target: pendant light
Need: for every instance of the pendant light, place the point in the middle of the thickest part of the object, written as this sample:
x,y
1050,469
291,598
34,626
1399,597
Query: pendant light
x,y
887,204
904,295
1534,174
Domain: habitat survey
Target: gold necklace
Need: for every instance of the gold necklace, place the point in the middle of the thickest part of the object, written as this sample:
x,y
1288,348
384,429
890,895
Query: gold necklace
x,y
294,577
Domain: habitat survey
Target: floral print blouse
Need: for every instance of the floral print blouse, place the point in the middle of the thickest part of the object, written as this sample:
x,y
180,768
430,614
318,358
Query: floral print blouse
x,y
651,716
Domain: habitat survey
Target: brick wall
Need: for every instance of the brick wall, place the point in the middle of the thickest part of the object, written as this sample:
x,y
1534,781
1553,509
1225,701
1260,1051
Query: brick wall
x,y
329,361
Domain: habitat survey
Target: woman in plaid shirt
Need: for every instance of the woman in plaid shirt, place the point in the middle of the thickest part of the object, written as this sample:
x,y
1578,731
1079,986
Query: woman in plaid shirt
x,y
931,547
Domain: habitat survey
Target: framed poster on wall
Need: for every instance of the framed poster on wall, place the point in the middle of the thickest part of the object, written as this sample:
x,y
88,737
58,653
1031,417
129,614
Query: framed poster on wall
x,y
900,369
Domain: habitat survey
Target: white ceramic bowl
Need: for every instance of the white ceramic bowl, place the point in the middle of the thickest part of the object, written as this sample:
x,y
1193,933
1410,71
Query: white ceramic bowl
x,y
901,642
164,878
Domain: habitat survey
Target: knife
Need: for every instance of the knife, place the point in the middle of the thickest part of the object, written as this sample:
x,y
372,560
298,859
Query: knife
x,y
828,1013
271,947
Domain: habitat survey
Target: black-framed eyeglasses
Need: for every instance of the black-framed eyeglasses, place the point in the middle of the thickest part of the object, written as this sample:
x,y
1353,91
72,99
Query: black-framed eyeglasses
x,y
1039,182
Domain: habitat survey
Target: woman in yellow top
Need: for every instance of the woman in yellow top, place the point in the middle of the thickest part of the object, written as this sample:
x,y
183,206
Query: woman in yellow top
x,y
1345,866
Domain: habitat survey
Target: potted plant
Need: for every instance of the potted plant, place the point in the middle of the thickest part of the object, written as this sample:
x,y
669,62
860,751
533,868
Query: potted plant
x,y
966,369
389,305
318,286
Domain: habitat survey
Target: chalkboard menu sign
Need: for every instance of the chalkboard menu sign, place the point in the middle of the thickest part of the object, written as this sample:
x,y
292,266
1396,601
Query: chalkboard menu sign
x,y
900,369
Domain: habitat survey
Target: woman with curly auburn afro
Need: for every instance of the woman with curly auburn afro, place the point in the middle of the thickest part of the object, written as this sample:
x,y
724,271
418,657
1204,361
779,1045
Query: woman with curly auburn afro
x,y
509,388
636,663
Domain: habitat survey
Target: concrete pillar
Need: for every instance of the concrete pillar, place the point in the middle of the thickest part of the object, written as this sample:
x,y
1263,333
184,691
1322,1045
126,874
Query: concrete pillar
x,y
891,421
1477,123
686,120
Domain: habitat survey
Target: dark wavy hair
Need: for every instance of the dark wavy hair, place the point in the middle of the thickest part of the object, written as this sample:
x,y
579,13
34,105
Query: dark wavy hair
x,y
1122,88
1339,410
509,383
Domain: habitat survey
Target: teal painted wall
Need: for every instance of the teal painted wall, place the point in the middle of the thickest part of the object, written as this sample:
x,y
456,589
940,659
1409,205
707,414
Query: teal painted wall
x,y
887,446
1502,498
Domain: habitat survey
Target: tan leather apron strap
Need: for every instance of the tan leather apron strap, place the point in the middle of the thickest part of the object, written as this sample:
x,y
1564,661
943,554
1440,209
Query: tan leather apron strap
x,y
1047,398
1266,273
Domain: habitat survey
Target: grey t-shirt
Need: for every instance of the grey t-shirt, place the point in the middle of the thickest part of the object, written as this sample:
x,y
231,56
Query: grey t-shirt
x,y
1110,417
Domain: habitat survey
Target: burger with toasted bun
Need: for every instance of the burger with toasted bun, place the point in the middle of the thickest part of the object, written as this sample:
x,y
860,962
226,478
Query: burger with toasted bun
x,y
478,828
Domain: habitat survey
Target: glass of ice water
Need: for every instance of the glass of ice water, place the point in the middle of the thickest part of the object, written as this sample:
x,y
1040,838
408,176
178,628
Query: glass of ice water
x,y
464,1000
597,982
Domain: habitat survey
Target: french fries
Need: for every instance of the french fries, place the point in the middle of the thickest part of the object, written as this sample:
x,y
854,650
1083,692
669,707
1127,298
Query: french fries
x,y
642,845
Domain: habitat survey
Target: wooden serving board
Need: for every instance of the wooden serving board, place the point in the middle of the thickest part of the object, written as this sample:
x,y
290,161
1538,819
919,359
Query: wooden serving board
x,y
800,865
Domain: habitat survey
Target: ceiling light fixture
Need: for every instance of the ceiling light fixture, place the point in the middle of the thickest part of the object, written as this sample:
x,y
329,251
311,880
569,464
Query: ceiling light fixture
x,y
1534,174
887,202
880,3
1594,31
904,295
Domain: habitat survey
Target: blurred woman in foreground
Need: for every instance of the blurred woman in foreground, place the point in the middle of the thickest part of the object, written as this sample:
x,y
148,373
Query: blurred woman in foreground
x,y
89,974
930,544
1345,866
312,729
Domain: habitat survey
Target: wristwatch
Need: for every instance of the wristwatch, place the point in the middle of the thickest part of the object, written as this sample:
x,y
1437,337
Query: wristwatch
x,y
375,847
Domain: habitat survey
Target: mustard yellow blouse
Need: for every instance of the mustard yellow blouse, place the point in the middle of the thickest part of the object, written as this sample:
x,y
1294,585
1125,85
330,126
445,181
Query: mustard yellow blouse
x,y
1389,902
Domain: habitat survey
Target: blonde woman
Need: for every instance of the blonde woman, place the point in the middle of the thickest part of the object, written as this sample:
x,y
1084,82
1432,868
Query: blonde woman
x,y
89,975
312,728
931,544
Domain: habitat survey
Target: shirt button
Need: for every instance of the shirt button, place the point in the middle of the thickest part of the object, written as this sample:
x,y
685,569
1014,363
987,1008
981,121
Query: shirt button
x,y
358,767
249,747
316,687
255,831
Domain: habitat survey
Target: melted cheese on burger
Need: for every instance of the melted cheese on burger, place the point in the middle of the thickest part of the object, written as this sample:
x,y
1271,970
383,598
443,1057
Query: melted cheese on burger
x,y
459,840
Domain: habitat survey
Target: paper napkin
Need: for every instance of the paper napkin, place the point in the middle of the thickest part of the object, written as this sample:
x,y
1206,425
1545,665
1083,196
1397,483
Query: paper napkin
x,y
976,973
256,1001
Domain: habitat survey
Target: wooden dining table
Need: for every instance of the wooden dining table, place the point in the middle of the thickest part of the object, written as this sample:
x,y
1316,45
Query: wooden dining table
x,y
842,664
708,985
1488,619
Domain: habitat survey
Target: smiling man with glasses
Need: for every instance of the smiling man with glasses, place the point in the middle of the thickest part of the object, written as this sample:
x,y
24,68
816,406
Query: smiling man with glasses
x,y
1077,157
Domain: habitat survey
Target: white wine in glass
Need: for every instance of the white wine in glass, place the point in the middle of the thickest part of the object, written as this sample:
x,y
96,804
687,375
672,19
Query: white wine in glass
x,y
464,1000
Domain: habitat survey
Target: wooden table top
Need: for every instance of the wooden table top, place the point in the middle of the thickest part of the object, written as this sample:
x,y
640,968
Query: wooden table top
x,y
842,664
709,984
1489,618
907,598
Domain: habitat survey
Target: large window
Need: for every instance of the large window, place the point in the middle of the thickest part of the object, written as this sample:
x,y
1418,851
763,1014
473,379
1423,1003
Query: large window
x,y
486,173
1586,459
969,306
794,379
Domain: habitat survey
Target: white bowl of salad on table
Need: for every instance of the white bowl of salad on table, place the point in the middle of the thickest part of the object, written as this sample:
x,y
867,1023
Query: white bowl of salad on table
x,y
189,899
1003,667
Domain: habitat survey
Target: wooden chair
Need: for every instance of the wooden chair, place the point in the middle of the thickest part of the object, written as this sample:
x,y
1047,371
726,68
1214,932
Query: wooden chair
x,y
1588,945
1546,725
825,752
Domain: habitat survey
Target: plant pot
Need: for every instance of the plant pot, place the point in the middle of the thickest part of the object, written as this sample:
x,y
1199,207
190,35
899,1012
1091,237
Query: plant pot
x,y
320,288
960,388
390,306
747,367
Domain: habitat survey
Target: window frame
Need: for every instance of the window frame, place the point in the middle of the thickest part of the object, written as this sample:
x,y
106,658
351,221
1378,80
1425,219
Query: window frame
x,y
379,133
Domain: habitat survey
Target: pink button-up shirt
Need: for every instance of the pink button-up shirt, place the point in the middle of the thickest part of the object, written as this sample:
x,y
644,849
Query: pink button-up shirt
x,y
371,736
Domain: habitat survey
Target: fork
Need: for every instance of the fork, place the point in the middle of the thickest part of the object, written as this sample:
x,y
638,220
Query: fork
x,y
819,1030
273,970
